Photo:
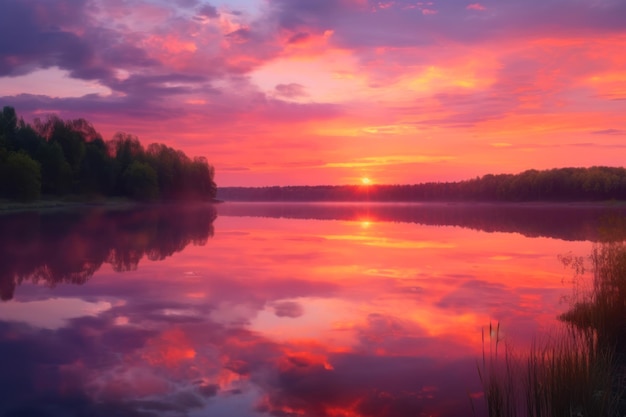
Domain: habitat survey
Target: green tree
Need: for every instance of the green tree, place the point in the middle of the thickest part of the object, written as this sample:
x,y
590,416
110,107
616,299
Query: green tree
x,y
21,177
97,171
140,181
71,140
124,149
27,139
199,179
8,120
72,157
55,171
168,163
8,128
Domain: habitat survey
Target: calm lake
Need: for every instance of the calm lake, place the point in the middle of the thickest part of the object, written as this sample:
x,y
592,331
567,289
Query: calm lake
x,y
275,310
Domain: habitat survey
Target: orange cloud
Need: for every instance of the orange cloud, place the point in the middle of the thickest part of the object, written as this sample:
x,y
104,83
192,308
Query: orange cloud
x,y
169,349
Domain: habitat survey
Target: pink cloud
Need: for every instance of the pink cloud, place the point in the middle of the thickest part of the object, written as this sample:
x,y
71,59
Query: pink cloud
x,y
292,90
328,80
476,6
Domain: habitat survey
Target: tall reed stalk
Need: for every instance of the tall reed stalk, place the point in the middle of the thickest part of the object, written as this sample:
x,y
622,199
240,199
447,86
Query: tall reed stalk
x,y
579,371
566,375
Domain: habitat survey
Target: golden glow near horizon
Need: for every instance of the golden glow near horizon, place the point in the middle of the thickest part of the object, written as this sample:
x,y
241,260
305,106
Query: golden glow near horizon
x,y
316,299
366,181
432,95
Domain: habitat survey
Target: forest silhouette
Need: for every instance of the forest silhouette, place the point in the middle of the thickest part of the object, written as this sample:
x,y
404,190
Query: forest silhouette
x,y
56,157
70,246
555,185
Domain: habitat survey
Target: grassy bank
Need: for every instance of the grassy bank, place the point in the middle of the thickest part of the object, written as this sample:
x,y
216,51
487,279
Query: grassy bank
x,y
566,375
11,206
76,202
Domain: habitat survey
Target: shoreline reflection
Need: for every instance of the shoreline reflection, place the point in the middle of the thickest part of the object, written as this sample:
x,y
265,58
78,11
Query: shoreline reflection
x,y
275,317
70,246
571,222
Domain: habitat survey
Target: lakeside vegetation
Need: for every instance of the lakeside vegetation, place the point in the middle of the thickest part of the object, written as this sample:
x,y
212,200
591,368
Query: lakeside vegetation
x,y
581,371
554,185
569,374
70,159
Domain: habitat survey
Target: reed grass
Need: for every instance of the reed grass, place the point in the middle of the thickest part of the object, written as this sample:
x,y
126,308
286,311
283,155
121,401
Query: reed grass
x,y
566,375
579,371
602,308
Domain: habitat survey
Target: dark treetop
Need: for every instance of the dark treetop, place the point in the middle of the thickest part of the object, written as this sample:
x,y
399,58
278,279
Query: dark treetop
x,y
69,157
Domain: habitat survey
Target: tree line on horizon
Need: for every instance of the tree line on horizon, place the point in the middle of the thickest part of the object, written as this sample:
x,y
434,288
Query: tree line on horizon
x,y
556,185
56,157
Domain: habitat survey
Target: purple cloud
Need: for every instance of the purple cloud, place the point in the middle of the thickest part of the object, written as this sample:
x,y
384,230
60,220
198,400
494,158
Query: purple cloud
x,y
208,12
405,23
288,309
299,37
33,35
188,58
292,90
612,132
135,64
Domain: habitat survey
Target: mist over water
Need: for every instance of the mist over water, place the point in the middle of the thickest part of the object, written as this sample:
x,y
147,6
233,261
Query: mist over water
x,y
266,309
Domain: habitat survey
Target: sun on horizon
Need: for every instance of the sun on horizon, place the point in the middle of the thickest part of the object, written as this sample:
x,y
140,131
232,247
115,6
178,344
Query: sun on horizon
x,y
434,94
366,181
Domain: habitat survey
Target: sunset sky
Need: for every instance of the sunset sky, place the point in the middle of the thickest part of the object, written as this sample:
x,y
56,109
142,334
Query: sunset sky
x,y
290,92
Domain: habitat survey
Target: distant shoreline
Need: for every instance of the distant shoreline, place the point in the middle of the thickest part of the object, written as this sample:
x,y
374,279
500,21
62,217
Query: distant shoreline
x,y
593,184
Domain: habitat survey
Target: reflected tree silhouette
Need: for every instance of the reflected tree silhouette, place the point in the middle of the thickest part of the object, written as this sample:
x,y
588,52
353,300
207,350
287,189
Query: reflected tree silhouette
x,y
69,247
566,222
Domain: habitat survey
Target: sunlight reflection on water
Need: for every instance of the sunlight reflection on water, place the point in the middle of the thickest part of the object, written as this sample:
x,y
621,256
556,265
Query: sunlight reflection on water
x,y
296,310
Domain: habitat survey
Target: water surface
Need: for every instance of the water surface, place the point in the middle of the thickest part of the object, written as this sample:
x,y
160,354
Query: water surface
x,y
274,310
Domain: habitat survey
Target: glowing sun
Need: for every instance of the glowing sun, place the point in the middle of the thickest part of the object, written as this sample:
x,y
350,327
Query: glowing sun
x,y
366,181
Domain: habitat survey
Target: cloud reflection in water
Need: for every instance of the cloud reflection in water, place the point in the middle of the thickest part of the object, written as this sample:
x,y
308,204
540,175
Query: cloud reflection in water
x,y
271,316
